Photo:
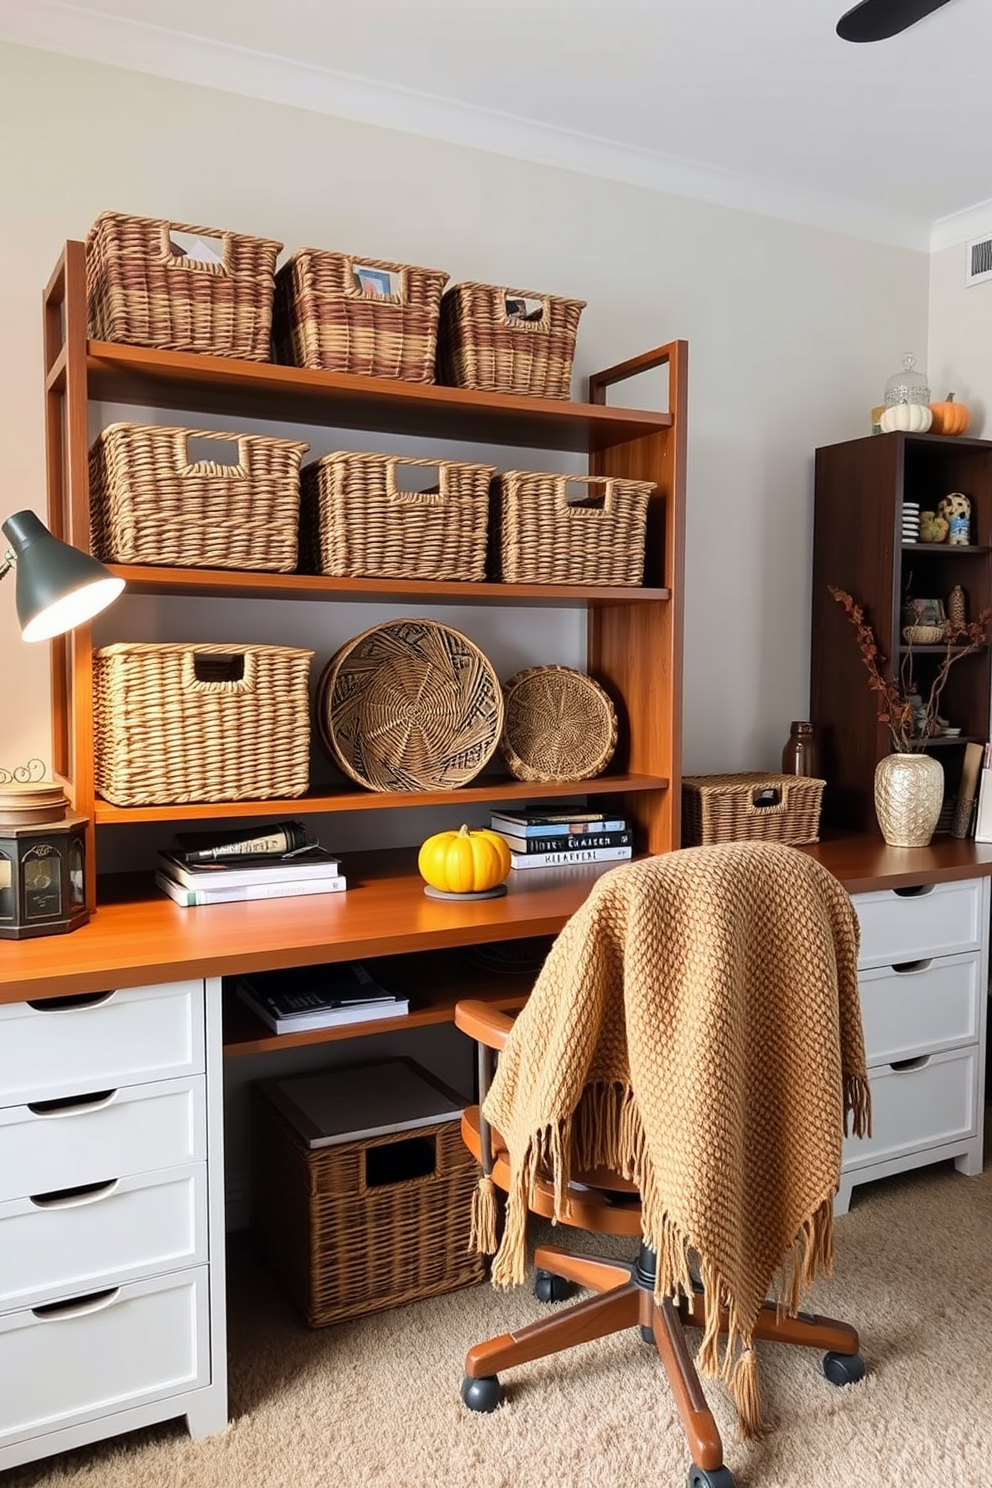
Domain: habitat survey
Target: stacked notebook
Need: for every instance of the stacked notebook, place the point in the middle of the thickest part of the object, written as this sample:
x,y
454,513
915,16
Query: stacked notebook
x,y
306,997
271,875
558,834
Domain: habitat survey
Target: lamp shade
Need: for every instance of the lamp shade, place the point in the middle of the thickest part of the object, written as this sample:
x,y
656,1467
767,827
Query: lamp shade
x,y
58,586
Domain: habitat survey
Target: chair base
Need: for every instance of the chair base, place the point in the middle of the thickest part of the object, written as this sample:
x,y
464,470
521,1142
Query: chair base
x,y
624,1298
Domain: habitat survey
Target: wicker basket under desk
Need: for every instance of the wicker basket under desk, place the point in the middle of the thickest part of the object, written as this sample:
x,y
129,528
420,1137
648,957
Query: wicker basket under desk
x,y
343,1247
767,808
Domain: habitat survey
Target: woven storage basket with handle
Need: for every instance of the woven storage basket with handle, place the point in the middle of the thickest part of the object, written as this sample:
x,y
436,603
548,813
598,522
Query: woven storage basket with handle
x,y
507,340
355,521
539,536
156,496
560,725
409,705
178,723
769,808
144,288
324,319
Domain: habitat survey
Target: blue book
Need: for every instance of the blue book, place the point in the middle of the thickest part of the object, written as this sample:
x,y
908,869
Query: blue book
x,y
514,825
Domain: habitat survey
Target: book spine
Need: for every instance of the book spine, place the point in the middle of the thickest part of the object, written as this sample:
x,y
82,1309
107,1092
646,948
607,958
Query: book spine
x,y
575,856
200,876
189,898
566,844
516,828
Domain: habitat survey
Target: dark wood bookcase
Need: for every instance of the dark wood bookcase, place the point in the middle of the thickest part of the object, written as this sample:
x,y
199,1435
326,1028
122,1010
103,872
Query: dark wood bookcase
x,y
858,546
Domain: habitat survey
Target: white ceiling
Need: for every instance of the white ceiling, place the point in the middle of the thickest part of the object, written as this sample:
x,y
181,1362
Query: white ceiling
x,y
746,102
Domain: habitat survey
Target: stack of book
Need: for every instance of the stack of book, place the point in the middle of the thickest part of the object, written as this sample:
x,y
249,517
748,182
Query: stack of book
x,y
306,997
267,876
553,834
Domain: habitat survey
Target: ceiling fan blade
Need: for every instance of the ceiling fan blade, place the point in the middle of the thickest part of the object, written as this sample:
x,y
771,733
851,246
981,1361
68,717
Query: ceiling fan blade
x,y
875,20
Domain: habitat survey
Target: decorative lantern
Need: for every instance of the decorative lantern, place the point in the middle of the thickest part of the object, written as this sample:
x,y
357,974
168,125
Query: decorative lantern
x,y
42,863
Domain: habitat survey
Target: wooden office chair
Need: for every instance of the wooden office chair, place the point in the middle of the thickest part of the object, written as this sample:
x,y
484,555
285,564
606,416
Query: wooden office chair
x,y
601,1201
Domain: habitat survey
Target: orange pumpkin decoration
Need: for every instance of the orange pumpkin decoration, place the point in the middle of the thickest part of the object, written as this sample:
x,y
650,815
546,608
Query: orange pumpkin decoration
x,y
949,417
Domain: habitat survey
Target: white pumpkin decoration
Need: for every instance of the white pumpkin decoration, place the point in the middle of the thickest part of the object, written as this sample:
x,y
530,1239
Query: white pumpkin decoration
x,y
913,418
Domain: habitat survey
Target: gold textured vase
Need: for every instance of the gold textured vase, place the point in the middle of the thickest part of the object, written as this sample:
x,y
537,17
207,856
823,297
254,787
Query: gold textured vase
x,y
909,792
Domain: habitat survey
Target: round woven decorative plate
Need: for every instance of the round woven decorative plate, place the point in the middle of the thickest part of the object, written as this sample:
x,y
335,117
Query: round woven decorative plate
x,y
560,725
409,705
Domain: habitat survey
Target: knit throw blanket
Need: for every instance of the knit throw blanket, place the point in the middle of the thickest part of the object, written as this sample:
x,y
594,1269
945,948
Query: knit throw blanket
x,y
697,1029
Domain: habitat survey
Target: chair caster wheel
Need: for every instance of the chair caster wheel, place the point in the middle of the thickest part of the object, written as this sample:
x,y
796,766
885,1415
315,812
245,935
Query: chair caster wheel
x,y
717,1477
551,1288
647,1335
483,1394
843,1369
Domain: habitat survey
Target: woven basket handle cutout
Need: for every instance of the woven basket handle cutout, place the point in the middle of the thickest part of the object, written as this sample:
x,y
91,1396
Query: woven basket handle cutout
x,y
430,493
591,500
219,671
523,311
193,451
769,800
375,281
196,250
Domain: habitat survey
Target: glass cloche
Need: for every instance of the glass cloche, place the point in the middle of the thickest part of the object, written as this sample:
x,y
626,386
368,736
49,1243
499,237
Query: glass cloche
x,y
907,385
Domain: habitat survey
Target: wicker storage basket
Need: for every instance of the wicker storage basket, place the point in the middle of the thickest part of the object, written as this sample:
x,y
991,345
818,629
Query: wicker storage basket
x,y
345,1243
538,536
409,705
144,289
151,501
560,725
769,808
483,343
323,318
183,723
354,520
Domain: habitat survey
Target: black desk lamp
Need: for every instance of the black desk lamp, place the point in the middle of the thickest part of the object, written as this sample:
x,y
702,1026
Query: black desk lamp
x,y
58,586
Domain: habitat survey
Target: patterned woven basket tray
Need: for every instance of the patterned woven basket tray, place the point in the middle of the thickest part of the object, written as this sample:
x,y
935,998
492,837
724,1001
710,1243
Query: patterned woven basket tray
x,y
325,319
178,723
356,522
152,501
769,808
409,705
539,536
560,725
507,340
145,289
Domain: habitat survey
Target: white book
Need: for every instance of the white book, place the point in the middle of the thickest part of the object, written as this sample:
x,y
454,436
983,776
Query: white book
x,y
328,1017
983,819
229,873
359,1101
238,892
567,859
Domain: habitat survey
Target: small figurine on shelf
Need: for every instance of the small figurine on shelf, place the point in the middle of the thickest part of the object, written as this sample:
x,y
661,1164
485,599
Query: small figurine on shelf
x,y
955,510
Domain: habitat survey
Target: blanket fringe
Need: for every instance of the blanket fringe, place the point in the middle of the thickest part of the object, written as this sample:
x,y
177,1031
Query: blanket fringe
x,y
482,1237
857,1105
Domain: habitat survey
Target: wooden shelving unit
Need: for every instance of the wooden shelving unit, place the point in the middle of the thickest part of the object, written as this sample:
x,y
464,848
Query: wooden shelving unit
x,y
634,636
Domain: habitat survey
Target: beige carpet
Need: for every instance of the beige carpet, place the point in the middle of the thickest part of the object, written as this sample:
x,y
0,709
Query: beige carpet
x,y
376,1402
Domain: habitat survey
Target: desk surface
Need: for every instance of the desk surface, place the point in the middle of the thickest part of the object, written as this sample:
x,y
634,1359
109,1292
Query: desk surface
x,y
138,937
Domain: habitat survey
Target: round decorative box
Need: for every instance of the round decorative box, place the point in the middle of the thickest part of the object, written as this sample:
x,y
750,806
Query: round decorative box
x,y
409,705
560,725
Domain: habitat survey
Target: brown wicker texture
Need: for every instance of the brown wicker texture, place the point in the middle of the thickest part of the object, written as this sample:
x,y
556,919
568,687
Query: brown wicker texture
x,y
323,319
144,290
768,808
560,725
184,723
409,705
152,501
539,536
344,1246
483,345
354,520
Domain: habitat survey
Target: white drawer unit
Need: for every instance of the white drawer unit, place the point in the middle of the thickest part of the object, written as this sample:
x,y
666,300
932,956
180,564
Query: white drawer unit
x,y
923,975
111,1217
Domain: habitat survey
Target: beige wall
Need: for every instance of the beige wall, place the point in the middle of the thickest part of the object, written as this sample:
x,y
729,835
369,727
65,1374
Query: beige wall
x,y
960,343
792,330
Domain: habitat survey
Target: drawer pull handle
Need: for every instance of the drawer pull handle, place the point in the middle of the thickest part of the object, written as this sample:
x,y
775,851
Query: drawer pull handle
x,y
68,1004
906,968
901,1066
66,1105
913,891
76,1306
72,1198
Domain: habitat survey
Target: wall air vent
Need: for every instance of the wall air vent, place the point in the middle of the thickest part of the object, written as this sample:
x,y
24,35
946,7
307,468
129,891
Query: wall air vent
x,y
979,260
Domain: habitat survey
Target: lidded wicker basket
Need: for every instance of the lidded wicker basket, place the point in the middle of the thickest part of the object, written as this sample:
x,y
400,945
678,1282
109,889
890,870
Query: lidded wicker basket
x,y
326,316
765,808
356,522
409,705
145,289
176,723
543,537
560,725
507,340
151,501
